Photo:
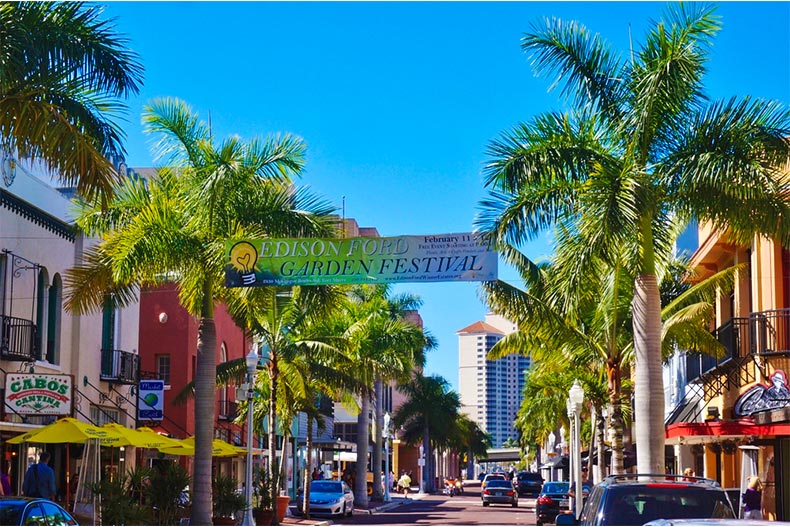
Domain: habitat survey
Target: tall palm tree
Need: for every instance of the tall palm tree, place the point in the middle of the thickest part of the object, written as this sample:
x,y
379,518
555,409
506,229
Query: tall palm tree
x,y
63,75
472,440
641,148
173,228
381,344
427,416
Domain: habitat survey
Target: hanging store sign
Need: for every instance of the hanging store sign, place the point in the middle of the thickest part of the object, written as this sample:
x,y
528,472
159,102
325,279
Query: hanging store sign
x,y
151,400
39,393
331,261
764,397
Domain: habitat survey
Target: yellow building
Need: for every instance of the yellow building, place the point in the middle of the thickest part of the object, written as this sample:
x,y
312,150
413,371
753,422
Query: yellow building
x,y
734,417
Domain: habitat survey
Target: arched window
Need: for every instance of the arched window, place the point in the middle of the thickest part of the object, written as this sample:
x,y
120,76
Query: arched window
x,y
54,316
42,305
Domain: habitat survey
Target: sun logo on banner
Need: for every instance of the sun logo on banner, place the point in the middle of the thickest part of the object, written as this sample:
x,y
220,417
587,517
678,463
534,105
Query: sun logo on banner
x,y
243,256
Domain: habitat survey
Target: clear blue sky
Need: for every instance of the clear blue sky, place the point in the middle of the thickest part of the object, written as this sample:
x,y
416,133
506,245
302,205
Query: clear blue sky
x,y
398,101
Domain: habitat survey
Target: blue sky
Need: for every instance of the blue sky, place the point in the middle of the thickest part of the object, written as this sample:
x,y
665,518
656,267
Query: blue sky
x,y
397,102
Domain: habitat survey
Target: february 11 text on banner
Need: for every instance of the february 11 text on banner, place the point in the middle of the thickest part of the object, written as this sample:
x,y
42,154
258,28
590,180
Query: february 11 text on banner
x,y
329,261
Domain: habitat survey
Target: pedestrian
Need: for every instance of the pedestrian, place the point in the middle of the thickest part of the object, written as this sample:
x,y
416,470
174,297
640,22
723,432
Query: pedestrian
x,y
753,500
315,474
39,479
404,483
688,474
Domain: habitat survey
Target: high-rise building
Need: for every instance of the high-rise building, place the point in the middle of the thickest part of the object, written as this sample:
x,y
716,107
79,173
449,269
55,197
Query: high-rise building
x,y
491,391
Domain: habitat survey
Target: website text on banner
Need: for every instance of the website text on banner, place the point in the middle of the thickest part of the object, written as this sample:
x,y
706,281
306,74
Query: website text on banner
x,y
326,261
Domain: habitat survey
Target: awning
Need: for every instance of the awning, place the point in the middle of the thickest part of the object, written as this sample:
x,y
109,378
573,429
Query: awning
x,y
689,433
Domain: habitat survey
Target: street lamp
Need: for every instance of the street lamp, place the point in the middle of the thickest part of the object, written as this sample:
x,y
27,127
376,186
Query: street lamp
x,y
421,464
386,457
571,455
551,454
576,398
252,362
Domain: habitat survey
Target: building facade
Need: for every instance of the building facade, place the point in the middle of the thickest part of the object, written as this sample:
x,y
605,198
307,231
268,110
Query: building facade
x,y
729,416
491,391
91,358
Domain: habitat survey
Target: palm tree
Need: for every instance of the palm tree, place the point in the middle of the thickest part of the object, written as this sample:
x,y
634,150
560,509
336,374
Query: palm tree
x,y
642,149
382,345
427,416
174,227
63,72
472,440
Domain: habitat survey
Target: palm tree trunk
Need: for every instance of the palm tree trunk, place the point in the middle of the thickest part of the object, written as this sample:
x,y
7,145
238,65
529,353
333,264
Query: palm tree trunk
x,y
615,384
600,423
273,470
307,471
426,445
205,401
363,441
375,457
649,384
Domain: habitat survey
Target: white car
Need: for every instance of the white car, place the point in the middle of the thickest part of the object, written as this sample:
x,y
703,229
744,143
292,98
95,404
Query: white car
x,y
327,496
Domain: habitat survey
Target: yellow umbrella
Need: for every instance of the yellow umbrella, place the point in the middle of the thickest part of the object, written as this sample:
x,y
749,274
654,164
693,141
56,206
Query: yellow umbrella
x,y
139,438
220,448
67,430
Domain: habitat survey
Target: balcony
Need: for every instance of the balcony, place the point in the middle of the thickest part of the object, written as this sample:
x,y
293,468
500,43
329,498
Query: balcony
x,y
227,410
770,332
119,366
733,335
17,339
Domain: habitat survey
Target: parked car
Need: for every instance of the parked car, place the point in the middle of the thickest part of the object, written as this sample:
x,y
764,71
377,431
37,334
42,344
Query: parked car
x,y
635,499
330,497
554,498
529,483
499,491
713,522
491,477
16,510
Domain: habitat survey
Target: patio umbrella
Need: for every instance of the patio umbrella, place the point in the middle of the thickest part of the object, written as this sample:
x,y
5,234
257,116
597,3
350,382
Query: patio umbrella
x,y
67,430
141,437
220,448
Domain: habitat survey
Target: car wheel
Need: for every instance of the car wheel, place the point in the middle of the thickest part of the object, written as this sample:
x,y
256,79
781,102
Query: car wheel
x,y
514,504
350,512
485,504
538,522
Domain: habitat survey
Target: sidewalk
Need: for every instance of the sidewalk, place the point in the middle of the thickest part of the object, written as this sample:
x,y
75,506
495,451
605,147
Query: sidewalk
x,y
373,508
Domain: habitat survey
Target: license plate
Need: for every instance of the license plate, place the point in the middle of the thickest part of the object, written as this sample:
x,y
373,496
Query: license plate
x,y
564,503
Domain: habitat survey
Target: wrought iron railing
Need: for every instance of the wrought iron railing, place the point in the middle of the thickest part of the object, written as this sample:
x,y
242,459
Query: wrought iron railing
x,y
770,332
120,366
733,335
17,339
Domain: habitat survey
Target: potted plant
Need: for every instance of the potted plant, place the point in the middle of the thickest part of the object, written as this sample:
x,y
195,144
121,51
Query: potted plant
x,y
262,498
228,502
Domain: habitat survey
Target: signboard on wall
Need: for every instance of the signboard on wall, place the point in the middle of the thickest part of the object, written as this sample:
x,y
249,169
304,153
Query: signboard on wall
x,y
150,400
331,261
39,393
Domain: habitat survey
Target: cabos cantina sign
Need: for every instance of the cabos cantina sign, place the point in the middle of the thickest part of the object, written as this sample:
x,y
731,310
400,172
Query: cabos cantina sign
x,y
39,393
324,261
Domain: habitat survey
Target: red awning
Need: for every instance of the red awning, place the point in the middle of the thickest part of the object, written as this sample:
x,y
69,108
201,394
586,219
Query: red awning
x,y
743,427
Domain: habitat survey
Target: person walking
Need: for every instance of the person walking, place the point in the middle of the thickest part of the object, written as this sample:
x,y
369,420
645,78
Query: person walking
x,y
753,500
39,479
404,483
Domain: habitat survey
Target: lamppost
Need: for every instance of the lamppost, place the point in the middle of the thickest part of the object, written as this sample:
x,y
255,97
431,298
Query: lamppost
x,y
572,442
386,457
252,362
576,398
421,464
551,453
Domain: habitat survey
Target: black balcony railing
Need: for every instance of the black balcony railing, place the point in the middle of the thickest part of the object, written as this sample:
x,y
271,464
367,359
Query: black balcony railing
x,y
227,410
17,339
733,336
120,366
770,332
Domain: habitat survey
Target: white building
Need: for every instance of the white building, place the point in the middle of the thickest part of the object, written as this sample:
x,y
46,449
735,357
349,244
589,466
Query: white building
x,y
491,391
90,359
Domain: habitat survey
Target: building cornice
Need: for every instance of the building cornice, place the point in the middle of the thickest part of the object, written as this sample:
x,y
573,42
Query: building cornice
x,y
36,215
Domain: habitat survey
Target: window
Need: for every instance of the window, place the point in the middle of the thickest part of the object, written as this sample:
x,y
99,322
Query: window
x,y
163,368
55,308
101,416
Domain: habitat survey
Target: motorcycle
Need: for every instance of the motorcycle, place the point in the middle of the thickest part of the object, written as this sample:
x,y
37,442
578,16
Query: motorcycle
x,y
459,486
449,488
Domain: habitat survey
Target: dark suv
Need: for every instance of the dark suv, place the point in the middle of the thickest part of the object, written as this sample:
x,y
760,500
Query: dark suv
x,y
529,483
635,499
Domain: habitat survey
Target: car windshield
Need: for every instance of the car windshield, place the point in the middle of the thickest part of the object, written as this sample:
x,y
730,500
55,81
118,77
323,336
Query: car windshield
x,y
498,483
529,477
554,488
325,486
637,505
10,512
